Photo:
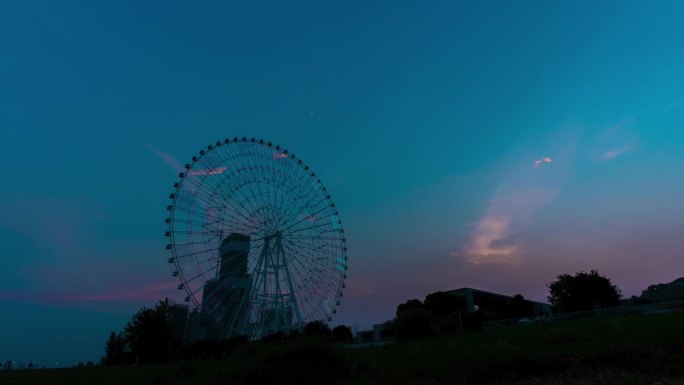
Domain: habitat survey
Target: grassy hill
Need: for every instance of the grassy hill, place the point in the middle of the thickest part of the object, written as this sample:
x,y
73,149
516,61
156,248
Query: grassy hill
x,y
611,350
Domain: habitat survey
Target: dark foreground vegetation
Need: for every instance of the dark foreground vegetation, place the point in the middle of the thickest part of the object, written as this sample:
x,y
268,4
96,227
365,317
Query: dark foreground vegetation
x,y
638,349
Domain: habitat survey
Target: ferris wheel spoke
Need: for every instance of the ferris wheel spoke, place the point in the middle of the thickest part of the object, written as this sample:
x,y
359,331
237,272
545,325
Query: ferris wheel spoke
x,y
247,171
201,274
314,214
317,267
198,253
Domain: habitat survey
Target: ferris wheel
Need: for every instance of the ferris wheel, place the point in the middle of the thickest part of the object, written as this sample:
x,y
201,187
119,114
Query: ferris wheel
x,y
255,239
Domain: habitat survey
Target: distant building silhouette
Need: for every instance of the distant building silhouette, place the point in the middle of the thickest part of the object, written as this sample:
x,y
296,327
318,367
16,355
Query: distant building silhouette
x,y
178,319
196,328
493,305
672,291
224,298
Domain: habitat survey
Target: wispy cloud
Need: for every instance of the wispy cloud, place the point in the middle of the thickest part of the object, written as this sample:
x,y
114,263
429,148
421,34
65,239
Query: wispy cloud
x,y
150,292
614,153
167,158
488,241
498,235
494,238
615,140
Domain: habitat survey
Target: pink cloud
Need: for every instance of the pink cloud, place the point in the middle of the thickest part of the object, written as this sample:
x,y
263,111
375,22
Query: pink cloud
x,y
540,162
487,242
208,171
150,292
498,236
168,159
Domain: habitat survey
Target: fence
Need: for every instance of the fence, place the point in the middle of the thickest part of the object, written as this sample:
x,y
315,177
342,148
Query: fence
x,y
652,308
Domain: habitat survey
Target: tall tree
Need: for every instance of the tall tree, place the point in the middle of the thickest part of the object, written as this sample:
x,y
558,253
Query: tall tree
x,y
443,304
317,328
583,291
413,321
148,334
519,307
342,333
115,350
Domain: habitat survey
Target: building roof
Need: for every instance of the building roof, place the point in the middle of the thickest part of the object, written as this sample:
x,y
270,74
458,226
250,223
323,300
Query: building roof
x,y
489,293
235,237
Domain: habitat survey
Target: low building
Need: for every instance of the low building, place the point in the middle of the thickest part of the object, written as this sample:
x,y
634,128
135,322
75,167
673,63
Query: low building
x,y
493,305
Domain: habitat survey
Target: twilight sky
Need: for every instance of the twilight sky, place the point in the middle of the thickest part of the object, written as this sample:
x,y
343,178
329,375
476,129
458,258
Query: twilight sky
x,y
487,144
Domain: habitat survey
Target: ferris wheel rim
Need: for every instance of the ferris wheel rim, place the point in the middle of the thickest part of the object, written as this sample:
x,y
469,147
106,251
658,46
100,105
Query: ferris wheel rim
x,y
279,151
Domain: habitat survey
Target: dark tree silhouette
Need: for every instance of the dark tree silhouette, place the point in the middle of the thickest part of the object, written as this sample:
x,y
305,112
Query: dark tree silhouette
x,y
442,304
413,321
115,350
583,291
408,305
148,335
519,307
317,328
276,338
446,310
341,333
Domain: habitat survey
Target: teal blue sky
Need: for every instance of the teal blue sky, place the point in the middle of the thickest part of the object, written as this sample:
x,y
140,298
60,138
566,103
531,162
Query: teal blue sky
x,y
484,144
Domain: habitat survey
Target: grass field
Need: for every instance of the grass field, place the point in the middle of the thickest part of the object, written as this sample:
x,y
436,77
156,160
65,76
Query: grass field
x,y
616,350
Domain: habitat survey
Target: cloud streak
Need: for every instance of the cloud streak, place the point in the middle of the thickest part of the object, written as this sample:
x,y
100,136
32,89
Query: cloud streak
x,y
614,153
208,171
150,292
167,158
498,236
487,241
